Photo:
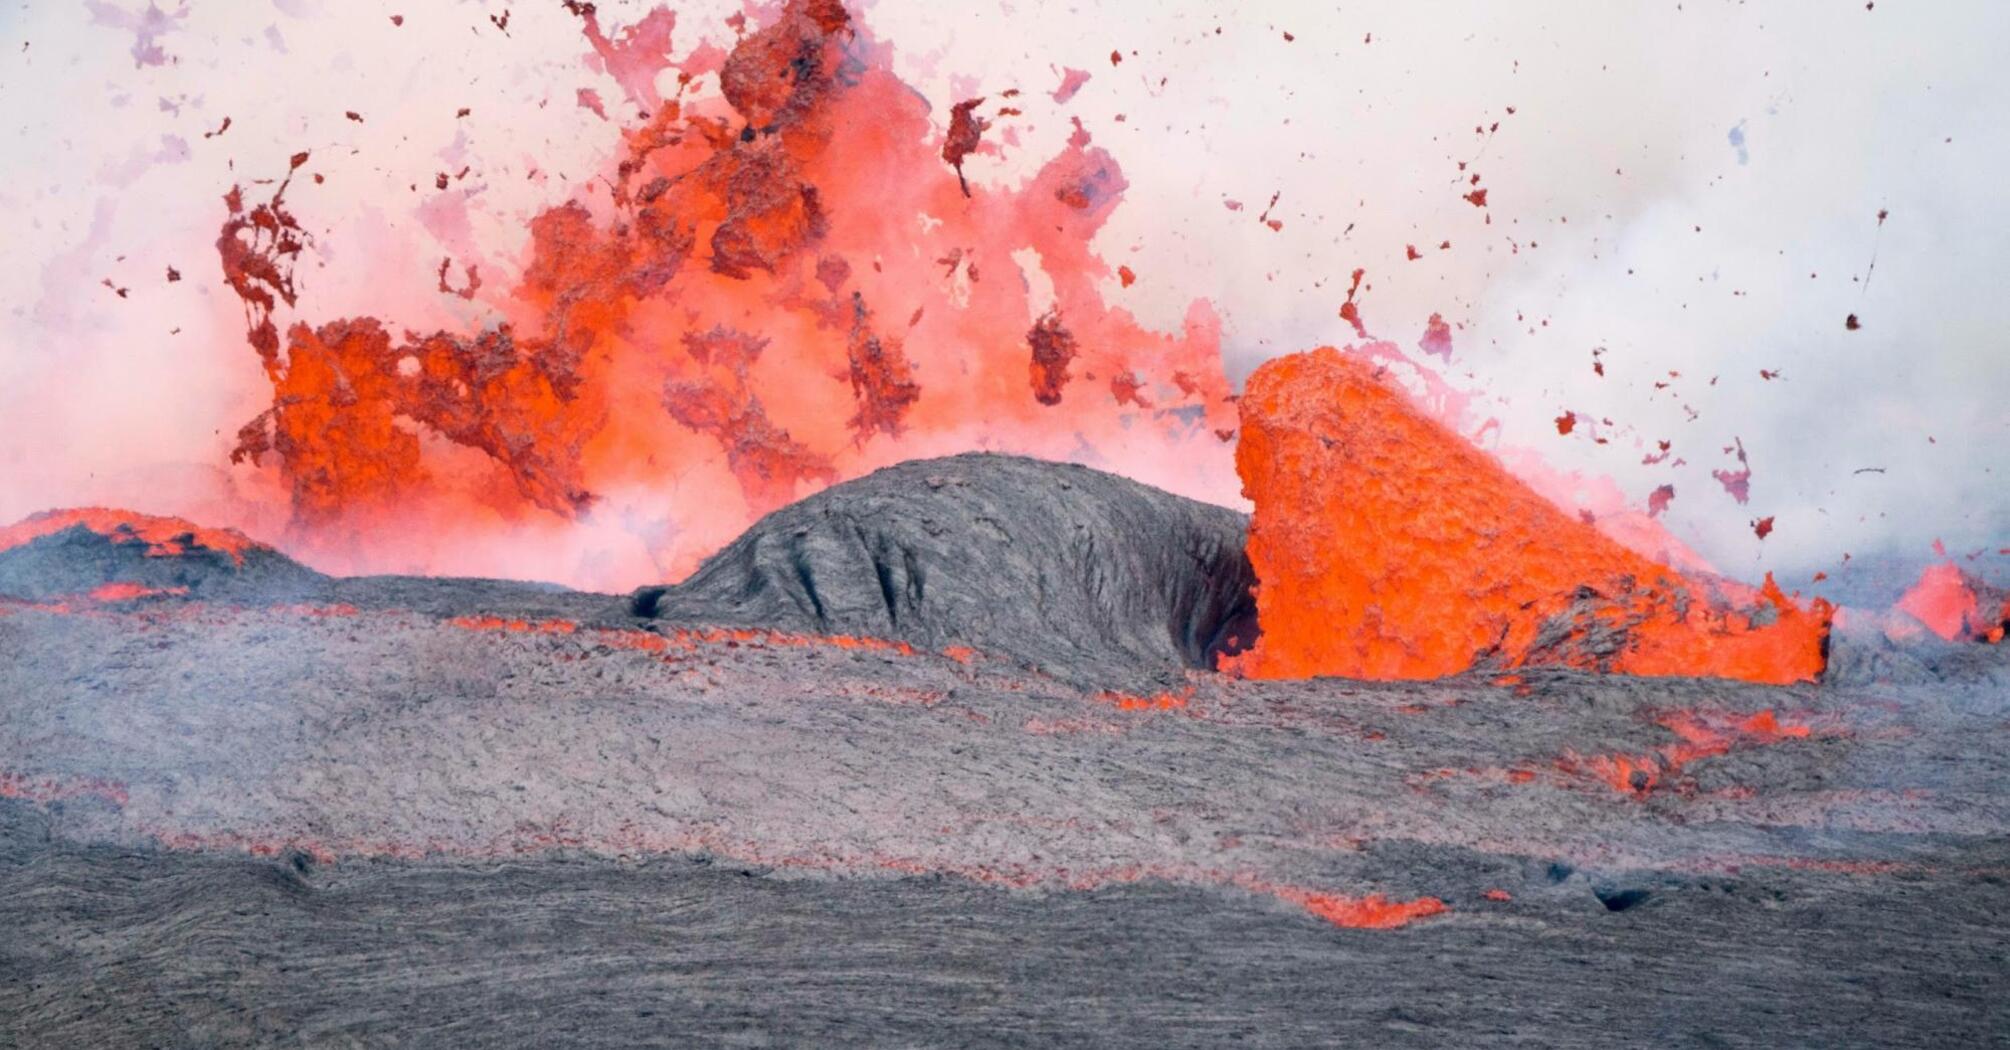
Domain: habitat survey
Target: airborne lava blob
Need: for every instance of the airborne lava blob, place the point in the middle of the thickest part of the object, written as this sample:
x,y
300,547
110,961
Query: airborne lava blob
x,y
774,288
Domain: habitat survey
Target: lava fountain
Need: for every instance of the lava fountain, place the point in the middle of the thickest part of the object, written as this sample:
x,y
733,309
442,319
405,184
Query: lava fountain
x,y
776,287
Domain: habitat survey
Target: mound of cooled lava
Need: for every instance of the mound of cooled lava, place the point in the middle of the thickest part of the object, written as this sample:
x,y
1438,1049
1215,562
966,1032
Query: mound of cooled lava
x,y
934,757
115,555
1056,565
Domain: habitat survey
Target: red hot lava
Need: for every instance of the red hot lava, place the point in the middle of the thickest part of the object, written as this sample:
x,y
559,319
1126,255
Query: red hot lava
x,y
792,280
1957,606
163,537
1388,547
719,315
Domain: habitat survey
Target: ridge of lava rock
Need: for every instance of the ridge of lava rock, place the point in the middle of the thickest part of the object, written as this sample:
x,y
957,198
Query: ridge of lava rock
x,y
1057,564
121,555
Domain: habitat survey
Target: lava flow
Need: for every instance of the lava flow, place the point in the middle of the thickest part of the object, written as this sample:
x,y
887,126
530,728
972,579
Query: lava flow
x,y
1387,547
1702,734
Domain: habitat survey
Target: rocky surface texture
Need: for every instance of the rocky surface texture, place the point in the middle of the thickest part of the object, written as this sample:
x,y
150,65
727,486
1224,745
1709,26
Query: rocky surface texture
x,y
429,812
114,554
1054,564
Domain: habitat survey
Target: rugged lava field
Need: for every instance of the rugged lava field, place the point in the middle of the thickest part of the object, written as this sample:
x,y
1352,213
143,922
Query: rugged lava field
x,y
935,758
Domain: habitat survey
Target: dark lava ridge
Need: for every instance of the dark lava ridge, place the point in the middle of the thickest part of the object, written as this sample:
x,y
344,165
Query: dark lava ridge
x,y
1059,565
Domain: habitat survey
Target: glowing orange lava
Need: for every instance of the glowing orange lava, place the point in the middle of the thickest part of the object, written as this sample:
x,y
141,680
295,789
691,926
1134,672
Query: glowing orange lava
x,y
127,591
1702,734
1155,702
781,284
1389,548
1956,606
163,537
515,626
1373,912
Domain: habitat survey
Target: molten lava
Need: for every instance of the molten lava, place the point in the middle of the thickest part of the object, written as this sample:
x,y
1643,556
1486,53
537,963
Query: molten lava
x,y
1373,912
1957,606
1157,702
718,311
1703,734
163,537
799,275
1387,547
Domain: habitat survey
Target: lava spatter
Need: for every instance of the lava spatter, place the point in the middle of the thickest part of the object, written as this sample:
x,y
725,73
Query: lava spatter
x,y
162,537
1956,605
1387,547
258,248
765,460
966,130
1053,348
882,379
804,203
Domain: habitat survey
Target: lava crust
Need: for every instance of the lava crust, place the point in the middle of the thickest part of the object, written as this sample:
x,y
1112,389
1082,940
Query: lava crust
x,y
933,758
115,554
1058,565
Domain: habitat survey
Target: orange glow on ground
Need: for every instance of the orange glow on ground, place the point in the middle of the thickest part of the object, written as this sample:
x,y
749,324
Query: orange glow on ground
x,y
53,788
126,592
1373,912
962,654
497,623
1702,735
1156,702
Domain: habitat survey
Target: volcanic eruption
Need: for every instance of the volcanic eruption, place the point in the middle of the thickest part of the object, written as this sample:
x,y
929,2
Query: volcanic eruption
x,y
781,286
796,601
